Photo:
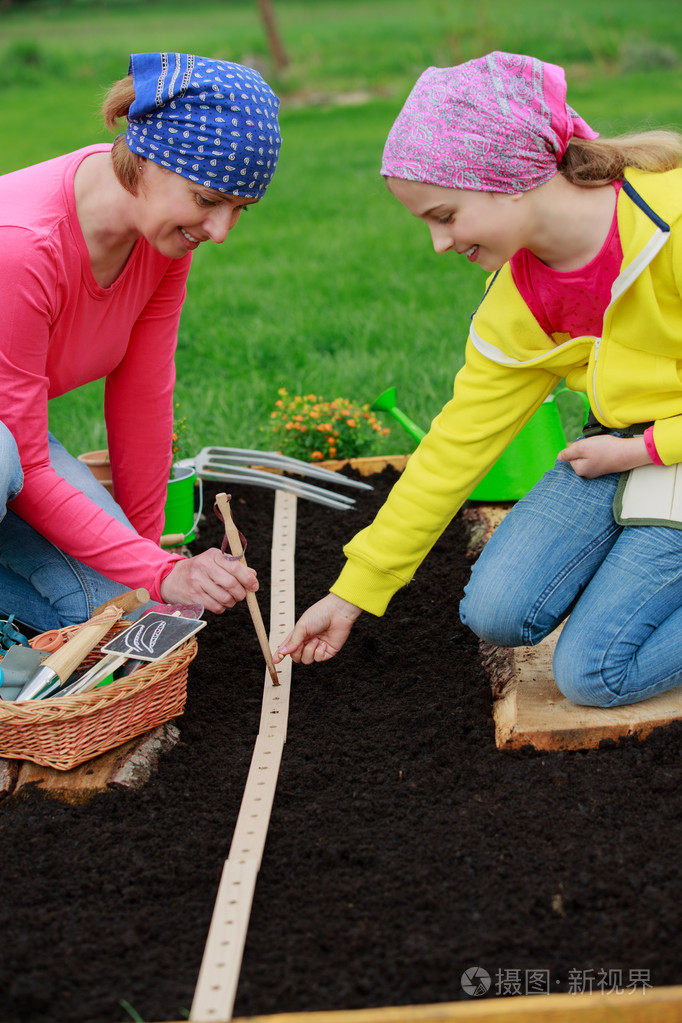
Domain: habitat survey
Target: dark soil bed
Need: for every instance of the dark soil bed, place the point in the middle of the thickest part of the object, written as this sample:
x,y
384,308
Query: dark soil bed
x,y
403,848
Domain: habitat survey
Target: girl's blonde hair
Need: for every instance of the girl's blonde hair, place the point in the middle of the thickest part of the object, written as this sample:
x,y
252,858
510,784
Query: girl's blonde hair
x,y
593,162
115,107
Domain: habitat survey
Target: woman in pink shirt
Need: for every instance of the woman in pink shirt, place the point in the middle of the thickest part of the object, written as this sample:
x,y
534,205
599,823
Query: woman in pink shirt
x,y
97,246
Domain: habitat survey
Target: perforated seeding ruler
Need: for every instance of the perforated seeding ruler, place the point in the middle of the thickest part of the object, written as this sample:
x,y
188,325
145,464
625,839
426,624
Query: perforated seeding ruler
x,y
219,973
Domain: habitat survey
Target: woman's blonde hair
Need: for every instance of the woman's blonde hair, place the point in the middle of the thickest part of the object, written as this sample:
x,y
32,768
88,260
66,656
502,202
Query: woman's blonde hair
x,y
115,107
593,162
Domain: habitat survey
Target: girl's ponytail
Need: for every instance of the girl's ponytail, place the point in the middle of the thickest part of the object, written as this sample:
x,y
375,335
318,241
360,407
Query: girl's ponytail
x,y
593,162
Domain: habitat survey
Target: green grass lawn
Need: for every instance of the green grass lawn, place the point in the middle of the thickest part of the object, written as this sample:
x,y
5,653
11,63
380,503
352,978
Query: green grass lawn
x,y
328,286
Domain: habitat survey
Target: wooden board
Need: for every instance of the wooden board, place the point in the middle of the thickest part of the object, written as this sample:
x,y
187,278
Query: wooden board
x,y
655,1005
529,710
369,465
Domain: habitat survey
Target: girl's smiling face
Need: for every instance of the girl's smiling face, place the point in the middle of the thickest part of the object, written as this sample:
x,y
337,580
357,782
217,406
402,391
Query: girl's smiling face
x,y
487,227
176,214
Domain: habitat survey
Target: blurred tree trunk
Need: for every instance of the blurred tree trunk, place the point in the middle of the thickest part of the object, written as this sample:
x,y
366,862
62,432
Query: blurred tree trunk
x,y
275,44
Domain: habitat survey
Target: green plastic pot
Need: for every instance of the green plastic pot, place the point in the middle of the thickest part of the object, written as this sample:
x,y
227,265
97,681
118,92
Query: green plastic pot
x,y
182,516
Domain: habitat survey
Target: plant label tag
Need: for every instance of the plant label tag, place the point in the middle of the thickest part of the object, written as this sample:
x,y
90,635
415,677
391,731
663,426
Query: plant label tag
x,y
154,636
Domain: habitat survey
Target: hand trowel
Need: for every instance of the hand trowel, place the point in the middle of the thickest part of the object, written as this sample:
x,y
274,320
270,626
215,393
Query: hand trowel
x,y
18,665
57,668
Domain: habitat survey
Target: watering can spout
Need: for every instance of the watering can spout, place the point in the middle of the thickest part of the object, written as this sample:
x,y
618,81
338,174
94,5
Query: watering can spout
x,y
386,402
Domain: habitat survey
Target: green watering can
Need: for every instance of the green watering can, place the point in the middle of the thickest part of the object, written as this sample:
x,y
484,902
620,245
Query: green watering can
x,y
532,452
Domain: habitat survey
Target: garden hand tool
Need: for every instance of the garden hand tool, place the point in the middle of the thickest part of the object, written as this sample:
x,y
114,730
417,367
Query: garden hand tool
x,y
386,403
129,601
172,540
148,639
60,665
234,538
237,465
17,666
10,635
125,602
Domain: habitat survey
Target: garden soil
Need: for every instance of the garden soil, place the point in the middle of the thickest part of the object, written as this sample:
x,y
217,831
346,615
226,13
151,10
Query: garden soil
x,y
403,849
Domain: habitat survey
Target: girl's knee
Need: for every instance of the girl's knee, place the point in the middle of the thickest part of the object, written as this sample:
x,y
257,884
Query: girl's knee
x,y
490,617
579,680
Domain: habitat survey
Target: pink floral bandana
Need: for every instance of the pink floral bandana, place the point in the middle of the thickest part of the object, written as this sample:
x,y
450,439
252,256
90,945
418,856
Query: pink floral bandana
x,y
499,123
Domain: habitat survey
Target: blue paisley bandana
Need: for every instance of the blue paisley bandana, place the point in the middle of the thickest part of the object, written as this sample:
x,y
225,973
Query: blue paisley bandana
x,y
209,120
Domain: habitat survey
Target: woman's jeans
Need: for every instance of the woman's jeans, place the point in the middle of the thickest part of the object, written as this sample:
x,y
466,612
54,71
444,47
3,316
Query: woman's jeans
x,y
40,584
559,552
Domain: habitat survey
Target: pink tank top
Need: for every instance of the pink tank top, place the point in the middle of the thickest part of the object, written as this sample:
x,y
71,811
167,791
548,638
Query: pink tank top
x,y
570,301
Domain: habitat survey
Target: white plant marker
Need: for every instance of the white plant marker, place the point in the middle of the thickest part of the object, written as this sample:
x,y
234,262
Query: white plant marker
x,y
219,973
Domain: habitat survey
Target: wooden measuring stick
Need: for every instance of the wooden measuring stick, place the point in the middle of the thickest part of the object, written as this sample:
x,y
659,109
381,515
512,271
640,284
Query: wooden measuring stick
x,y
235,543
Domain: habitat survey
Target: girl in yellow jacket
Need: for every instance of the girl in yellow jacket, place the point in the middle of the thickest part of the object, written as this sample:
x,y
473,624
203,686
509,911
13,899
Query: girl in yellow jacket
x,y
582,237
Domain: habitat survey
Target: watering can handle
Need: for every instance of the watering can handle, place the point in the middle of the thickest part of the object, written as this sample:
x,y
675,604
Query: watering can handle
x,y
578,394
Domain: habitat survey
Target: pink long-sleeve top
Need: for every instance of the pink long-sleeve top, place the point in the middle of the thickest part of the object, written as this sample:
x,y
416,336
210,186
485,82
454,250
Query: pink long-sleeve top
x,y
58,330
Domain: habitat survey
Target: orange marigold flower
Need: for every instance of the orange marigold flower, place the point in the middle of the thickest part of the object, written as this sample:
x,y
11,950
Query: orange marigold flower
x,y
317,456
351,423
289,426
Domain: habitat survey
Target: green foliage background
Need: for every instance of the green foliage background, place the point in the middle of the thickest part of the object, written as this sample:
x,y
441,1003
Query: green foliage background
x,y
328,286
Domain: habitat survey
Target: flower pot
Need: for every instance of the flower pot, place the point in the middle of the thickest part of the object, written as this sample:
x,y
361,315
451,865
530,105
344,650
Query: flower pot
x,y
181,516
98,463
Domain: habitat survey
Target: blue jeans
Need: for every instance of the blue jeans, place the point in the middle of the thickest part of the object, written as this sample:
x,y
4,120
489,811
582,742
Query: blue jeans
x,y
559,552
40,584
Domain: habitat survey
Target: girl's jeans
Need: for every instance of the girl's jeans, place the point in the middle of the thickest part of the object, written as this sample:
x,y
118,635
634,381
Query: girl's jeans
x,y
40,584
560,552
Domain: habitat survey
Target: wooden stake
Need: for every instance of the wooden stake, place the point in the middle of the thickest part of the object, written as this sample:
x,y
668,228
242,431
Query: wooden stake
x,y
232,533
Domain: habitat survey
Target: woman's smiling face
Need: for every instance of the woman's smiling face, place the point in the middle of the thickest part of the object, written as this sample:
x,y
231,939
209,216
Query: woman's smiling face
x,y
487,227
176,214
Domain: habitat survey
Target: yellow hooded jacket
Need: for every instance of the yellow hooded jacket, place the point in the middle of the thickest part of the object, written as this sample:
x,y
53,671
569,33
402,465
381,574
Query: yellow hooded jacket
x,y
632,374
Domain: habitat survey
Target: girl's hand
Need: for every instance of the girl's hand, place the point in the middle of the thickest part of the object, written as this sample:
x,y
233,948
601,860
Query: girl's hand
x,y
597,456
320,632
210,579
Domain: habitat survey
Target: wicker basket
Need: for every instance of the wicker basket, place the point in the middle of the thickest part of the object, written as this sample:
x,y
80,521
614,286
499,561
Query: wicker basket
x,y
64,733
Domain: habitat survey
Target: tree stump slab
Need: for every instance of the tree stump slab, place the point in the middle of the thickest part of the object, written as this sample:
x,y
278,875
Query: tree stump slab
x,y
128,766
528,708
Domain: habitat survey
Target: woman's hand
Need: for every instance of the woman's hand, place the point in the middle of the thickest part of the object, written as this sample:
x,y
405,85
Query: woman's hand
x,y
597,456
320,632
210,579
